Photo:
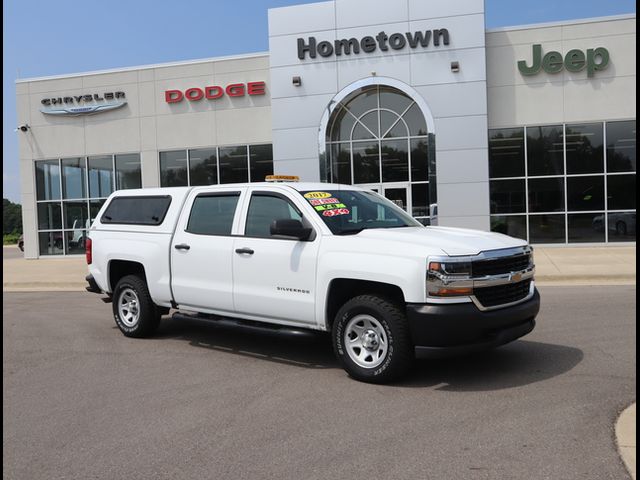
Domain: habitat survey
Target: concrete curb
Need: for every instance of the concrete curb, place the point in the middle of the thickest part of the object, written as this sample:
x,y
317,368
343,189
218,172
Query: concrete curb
x,y
626,438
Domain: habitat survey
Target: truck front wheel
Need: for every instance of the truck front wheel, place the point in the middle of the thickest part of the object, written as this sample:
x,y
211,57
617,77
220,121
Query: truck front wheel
x,y
133,309
371,339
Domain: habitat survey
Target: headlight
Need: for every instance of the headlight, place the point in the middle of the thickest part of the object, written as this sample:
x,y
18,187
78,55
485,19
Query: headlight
x,y
449,278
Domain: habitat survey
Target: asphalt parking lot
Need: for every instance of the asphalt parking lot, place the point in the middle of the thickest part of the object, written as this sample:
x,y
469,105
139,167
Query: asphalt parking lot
x,y
82,401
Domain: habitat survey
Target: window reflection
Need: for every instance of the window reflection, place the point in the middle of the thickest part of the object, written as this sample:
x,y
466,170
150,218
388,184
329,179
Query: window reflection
x,y
621,146
545,150
506,152
585,152
173,169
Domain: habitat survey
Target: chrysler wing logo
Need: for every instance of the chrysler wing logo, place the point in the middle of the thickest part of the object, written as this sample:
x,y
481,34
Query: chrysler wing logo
x,y
84,110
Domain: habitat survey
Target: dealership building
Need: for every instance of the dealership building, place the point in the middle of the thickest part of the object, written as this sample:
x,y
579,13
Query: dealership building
x,y
525,130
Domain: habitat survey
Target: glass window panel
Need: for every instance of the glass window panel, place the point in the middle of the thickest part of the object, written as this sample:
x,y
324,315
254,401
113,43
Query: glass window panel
x,y
622,226
213,214
48,180
586,227
261,161
75,242
398,130
514,226
394,100
506,152
545,150
584,148
546,195
75,215
128,171
263,210
366,162
73,178
173,169
433,190
507,196
395,160
203,166
585,193
100,176
342,125
50,243
49,216
546,229
364,100
387,120
420,199
234,167
621,146
415,120
621,192
370,120
361,133
94,208
419,160
341,163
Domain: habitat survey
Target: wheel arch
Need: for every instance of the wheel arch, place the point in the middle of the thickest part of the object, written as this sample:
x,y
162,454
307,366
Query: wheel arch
x,y
342,290
121,268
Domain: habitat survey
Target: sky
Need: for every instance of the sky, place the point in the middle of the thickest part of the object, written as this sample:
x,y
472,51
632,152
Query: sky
x,y
44,37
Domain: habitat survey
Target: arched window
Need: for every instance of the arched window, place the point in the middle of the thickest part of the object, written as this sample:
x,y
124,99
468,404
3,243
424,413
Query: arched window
x,y
377,138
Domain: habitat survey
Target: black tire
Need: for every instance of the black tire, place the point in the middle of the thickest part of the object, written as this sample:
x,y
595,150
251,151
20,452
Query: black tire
x,y
144,317
621,228
390,321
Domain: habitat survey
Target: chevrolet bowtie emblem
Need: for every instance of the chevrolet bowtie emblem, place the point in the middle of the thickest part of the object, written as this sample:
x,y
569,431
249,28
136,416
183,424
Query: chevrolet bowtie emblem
x,y
515,277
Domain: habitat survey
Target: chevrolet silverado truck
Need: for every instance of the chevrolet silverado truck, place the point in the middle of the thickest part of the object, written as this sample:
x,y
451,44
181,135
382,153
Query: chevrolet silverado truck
x,y
311,256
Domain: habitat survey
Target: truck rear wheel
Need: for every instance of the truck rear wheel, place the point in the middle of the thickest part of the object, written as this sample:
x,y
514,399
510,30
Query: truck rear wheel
x,y
371,339
133,309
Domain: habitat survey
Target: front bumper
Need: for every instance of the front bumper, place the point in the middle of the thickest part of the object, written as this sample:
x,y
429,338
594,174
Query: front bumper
x,y
456,329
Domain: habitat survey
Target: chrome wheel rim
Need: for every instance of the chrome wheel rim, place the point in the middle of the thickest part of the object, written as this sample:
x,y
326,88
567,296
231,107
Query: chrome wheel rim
x,y
366,341
129,307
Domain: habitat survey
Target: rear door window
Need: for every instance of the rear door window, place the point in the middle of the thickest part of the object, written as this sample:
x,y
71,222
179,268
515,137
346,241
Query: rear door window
x,y
212,214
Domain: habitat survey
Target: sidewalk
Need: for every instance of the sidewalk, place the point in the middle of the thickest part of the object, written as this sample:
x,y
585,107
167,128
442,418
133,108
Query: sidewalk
x,y
626,438
554,266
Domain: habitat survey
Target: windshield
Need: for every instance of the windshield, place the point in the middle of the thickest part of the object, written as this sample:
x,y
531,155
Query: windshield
x,y
351,211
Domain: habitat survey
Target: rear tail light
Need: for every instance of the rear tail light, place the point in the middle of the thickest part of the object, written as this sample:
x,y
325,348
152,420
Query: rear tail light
x,y
88,251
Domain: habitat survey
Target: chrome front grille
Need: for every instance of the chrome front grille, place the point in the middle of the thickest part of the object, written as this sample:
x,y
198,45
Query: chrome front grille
x,y
500,265
502,294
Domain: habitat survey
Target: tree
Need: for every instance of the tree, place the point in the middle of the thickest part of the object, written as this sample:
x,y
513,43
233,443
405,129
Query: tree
x,y
11,217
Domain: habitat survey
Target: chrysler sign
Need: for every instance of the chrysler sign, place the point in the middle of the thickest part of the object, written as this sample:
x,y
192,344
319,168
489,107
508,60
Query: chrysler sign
x,y
84,104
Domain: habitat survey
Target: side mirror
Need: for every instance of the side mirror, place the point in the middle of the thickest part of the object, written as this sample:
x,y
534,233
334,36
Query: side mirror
x,y
286,227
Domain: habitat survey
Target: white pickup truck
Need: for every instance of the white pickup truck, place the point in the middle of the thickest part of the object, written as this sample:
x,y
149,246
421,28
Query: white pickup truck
x,y
318,256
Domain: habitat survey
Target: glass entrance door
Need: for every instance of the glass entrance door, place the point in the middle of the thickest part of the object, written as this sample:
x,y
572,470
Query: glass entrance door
x,y
398,194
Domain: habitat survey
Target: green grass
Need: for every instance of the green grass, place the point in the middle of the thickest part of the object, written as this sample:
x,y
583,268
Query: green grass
x,y
10,238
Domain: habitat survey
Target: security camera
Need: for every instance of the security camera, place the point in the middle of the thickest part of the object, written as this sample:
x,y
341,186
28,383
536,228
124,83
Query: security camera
x,y
23,128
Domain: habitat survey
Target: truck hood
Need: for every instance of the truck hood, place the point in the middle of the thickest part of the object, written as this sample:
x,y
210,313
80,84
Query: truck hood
x,y
451,241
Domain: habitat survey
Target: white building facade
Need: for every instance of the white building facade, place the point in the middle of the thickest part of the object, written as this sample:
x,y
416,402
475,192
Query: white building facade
x,y
527,130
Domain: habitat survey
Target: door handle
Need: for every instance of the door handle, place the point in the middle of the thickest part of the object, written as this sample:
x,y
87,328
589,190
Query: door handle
x,y
182,246
244,250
